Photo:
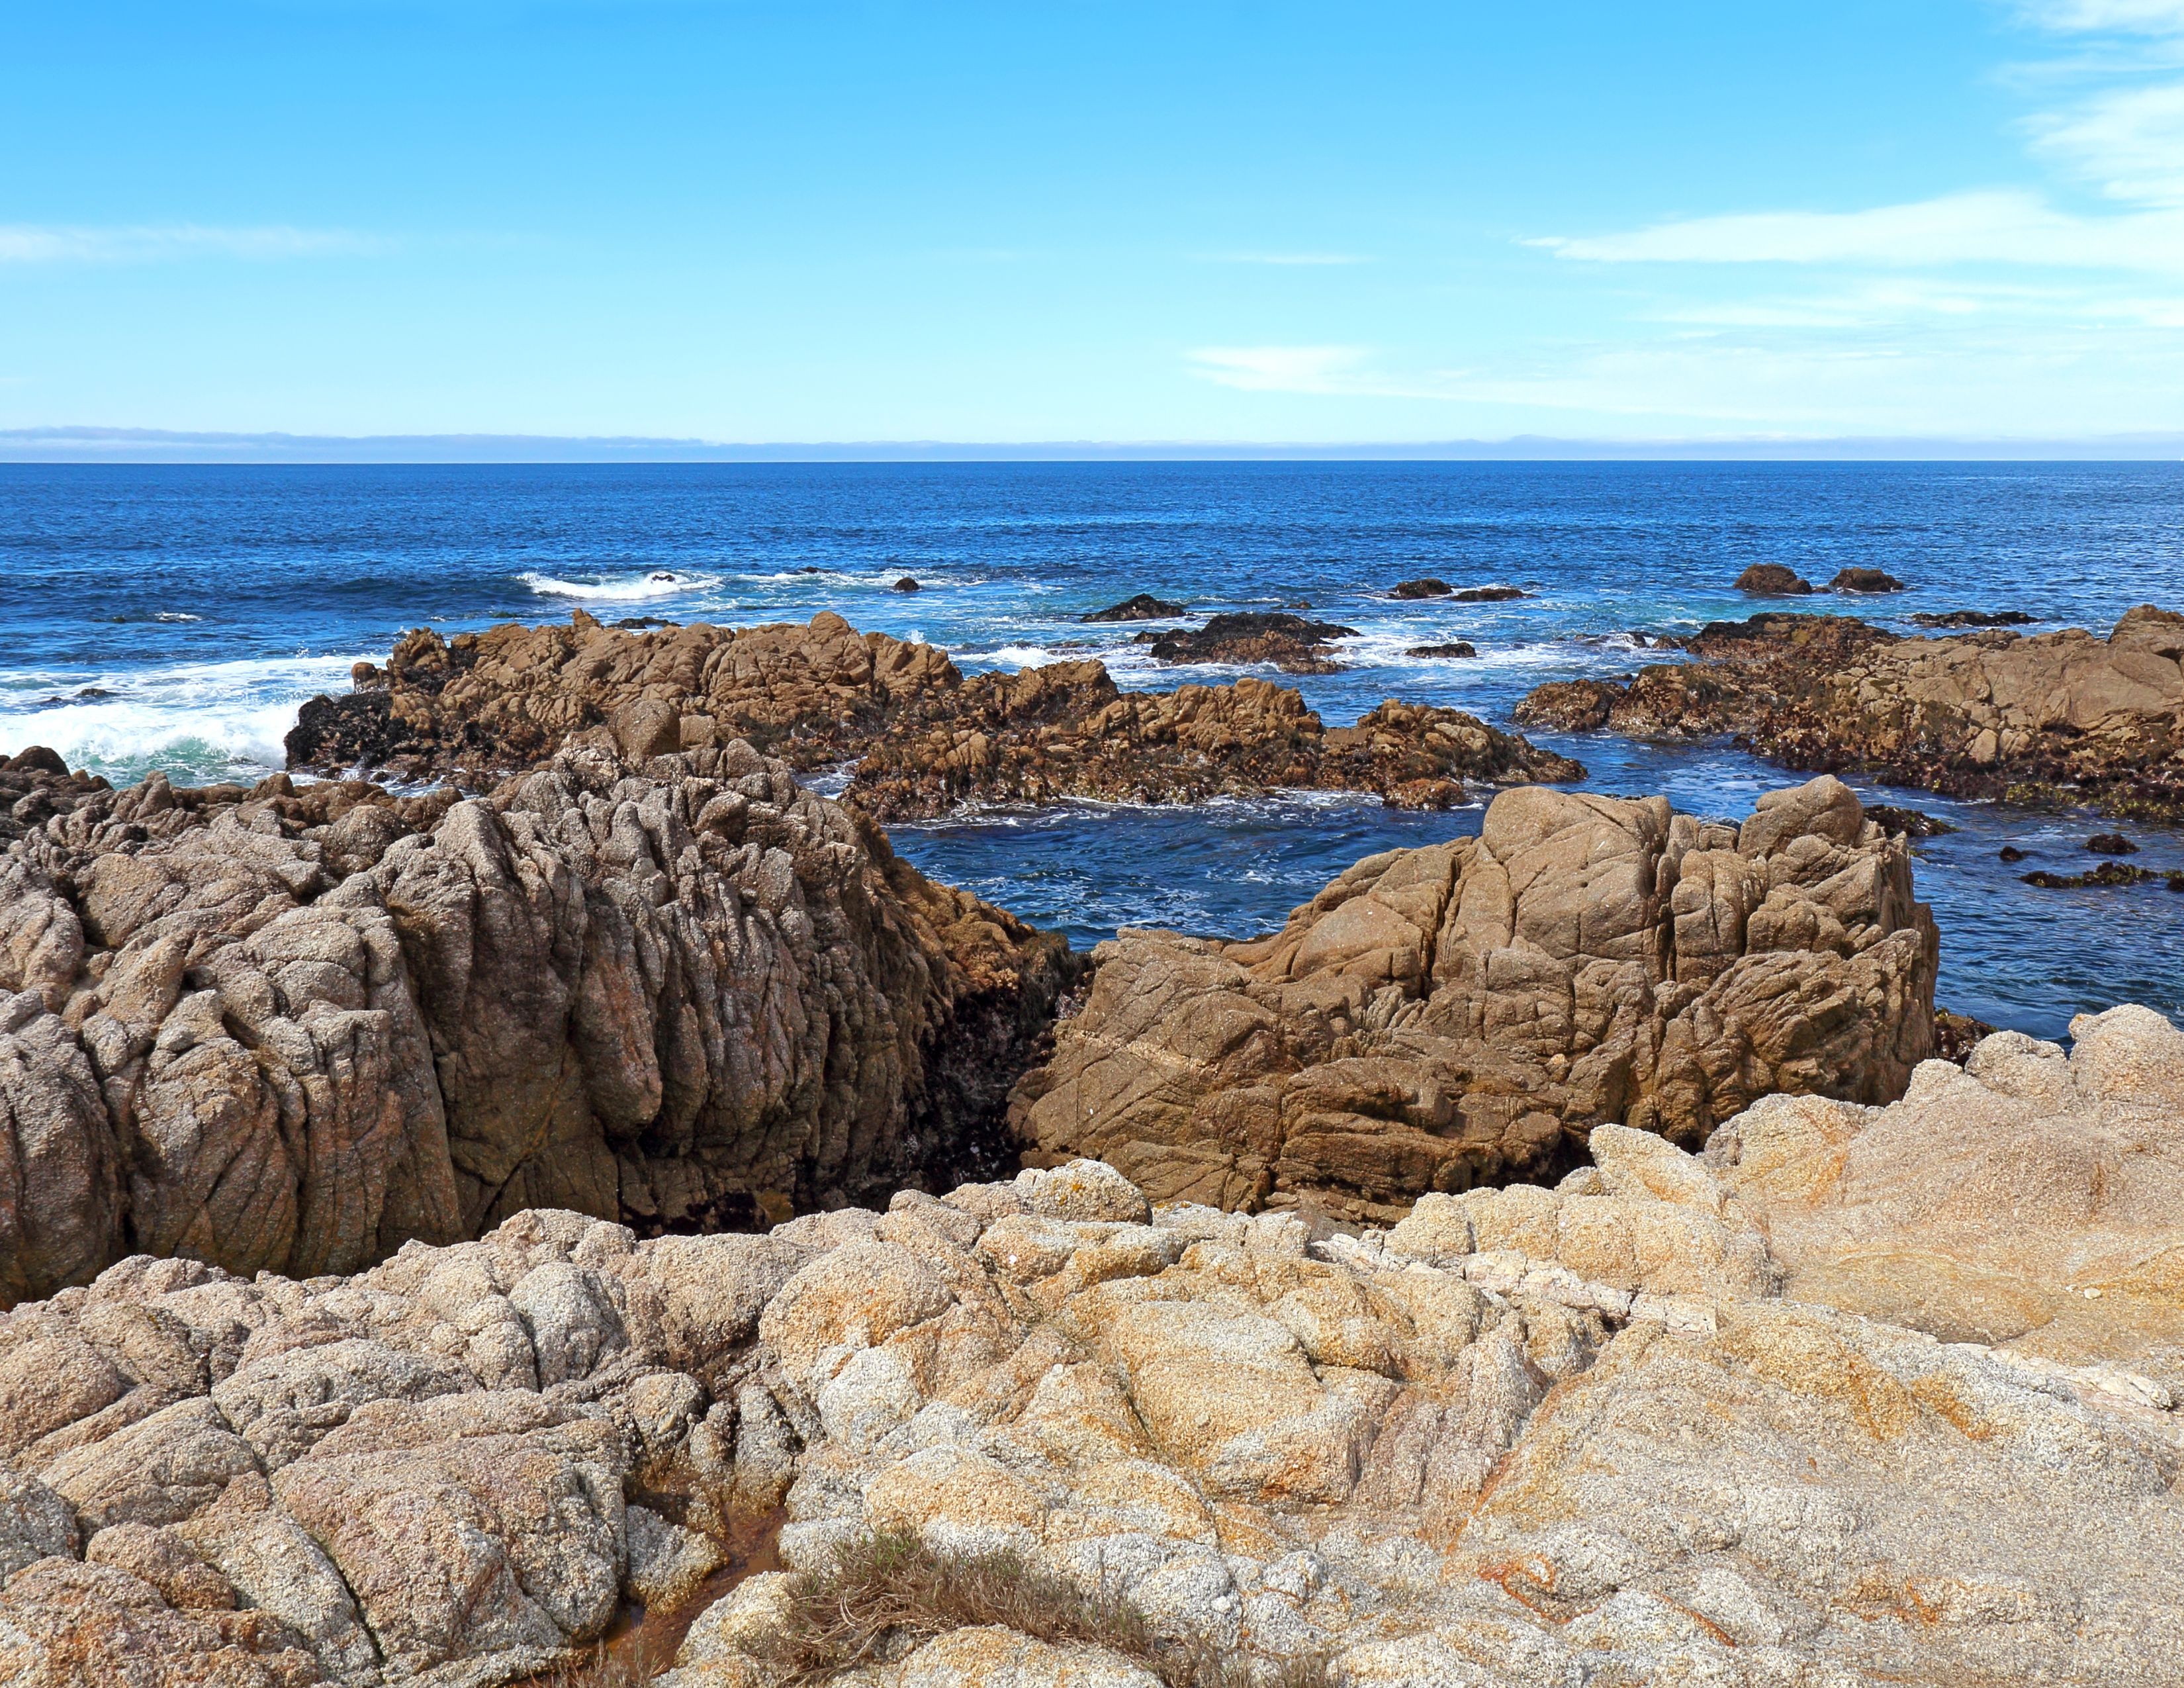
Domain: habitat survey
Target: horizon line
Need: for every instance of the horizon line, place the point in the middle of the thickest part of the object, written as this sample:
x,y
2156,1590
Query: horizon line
x,y
93,445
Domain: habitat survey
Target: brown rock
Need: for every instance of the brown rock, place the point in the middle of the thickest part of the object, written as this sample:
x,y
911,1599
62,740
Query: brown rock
x,y
1442,1018
1291,643
1995,714
1773,580
1143,607
329,1021
1863,580
1425,587
925,738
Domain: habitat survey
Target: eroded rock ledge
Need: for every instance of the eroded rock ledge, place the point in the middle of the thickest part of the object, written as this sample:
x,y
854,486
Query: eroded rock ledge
x,y
292,1029
2054,716
1463,1014
924,737
1526,1436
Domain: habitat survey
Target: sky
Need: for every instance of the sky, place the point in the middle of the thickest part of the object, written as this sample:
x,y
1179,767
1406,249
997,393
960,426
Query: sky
x,y
1093,219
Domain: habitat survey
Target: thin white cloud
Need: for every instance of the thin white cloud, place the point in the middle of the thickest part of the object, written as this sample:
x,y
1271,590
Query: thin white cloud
x,y
1287,259
1279,369
152,243
2123,17
2000,225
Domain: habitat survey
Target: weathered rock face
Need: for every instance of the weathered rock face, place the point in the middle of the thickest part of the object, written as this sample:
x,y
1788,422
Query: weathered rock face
x,y
1292,643
925,738
1990,715
1442,1017
2033,1198
1524,1436
290,1030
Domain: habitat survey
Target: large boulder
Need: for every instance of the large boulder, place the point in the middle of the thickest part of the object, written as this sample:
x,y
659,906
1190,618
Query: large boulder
x,y
2031,1198
292,1029
1468,1012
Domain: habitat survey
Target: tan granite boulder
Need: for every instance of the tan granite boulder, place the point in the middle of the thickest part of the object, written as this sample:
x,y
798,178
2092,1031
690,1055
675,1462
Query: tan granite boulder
x,y
1467,1012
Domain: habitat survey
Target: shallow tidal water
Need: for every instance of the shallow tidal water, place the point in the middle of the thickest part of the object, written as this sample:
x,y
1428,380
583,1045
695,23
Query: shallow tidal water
x,y
174,617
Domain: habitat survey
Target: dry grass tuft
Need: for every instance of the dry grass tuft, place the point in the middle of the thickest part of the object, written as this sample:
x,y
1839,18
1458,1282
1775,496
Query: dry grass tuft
x,y
881,1592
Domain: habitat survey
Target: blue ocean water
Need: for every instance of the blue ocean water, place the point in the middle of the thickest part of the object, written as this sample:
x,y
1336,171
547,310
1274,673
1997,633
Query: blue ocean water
x,y
174,617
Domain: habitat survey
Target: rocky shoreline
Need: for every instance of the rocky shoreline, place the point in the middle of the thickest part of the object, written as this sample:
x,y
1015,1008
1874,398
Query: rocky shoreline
x,y
440,1226
1857,1396
2050,718
923,738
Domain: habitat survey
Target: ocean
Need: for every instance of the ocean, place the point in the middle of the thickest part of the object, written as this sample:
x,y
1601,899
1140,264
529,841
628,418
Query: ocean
x,y
174,617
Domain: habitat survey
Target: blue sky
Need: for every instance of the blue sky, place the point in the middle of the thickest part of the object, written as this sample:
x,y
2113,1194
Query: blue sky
x,y
1081,221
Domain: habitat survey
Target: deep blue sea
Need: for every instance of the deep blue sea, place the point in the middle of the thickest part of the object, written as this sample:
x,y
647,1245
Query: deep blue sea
x,y
174,617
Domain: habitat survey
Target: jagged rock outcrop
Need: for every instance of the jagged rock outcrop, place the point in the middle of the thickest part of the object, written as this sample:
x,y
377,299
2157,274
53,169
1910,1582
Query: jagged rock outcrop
x,y
289,1029
1466,1013
2064,717
1292,643
1524,1436
924,737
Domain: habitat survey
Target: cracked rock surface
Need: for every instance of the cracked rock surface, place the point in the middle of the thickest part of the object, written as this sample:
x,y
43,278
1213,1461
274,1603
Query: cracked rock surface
x,y
1465,1013
925,738
290,1029
1616,1431
2067,716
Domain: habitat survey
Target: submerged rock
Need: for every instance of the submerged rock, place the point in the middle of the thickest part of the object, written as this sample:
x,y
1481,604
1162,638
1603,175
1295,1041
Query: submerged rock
x,y
1864,580
925,738
1454,649
1973,618
1467,1013
1773,580
1426,586
1144,607
1291,643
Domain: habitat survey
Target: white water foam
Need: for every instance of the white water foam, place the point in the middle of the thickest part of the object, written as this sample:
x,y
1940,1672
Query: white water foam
x,y
627,589
202,721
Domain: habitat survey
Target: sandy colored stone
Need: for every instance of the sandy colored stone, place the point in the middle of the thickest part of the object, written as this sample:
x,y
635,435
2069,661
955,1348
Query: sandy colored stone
x,y
1468,1012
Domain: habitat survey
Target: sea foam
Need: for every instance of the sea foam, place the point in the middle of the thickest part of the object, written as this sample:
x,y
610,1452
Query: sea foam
x,y
627,589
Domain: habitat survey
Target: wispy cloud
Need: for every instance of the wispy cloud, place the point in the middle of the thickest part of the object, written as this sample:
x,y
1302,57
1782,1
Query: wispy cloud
x,y
152,243
2130,17
1994,226
1286,260
1335,371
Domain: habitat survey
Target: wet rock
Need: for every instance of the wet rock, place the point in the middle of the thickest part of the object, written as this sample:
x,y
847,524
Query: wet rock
x,y
1488,594
1909,823
2045,719
2109,873
1425,587
1454,649
1467,1013
2111,843
905,584
2010,853
925,738
1291,643
1972,618
1143,607
1773,580
1864,580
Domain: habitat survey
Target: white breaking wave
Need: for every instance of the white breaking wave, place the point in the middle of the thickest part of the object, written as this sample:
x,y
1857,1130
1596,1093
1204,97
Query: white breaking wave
x,y
198,721
629,589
